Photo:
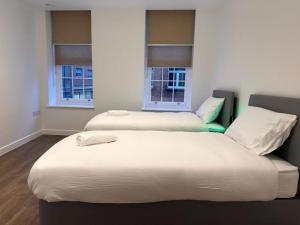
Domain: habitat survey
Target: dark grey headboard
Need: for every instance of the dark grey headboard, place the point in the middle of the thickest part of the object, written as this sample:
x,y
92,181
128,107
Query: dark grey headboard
x,y
227,114
290,150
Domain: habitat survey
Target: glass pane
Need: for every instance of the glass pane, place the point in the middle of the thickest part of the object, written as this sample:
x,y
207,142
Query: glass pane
x,y
67,71
156,91
67,88
78,72
181,77
167,94
88,72
181,84
78,94
156,74
165,73
171,76
171,84
88,83
78,83
179,95
88,93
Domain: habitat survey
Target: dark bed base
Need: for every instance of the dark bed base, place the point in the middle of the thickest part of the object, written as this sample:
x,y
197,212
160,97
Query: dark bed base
x,y
278,212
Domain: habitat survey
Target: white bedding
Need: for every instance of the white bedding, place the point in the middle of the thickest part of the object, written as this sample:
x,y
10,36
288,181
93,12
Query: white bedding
x,y
152,166
162,121
288,177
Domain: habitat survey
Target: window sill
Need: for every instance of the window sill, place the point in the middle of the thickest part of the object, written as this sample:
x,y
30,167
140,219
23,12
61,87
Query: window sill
x,y
165,109
72,106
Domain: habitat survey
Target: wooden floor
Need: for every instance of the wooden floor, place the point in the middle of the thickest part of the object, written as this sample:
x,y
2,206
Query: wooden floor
x,y
17,204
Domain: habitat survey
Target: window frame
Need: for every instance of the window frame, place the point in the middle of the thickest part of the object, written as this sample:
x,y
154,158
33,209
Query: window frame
x,y
59,88
168,106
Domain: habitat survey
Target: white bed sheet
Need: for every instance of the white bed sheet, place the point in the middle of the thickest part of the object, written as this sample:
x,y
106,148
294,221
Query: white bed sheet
x,y
288,177
152,166
161,121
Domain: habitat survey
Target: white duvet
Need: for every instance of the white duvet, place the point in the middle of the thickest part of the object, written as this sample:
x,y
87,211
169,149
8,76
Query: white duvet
x,y
163,121
152,166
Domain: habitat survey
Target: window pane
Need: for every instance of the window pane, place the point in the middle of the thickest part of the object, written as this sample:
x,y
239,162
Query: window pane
x,y
67,71
181,84
78,94
78,83
167,94
88,83
156,74
171,76
88,93
178,95
78,72
181,77
88,72
156,91
171,84
67,88
165,73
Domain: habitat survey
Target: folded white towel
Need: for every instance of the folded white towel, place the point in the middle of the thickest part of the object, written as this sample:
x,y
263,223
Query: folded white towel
x,y
85,139
117,113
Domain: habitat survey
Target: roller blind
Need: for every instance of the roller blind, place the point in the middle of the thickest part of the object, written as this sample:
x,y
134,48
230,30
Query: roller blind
x,y
73,55
170,26
170,56
71,27
170,38
71,37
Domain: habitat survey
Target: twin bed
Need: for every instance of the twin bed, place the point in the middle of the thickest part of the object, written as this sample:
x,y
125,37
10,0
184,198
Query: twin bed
x,y
166,121
159,178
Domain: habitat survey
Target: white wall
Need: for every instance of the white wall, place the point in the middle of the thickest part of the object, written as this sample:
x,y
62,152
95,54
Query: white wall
x,y
204,46
18,76
259,48
118,63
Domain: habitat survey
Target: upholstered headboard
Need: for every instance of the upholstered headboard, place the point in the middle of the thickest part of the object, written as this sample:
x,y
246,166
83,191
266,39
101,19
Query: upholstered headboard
x,y
290,150
227,114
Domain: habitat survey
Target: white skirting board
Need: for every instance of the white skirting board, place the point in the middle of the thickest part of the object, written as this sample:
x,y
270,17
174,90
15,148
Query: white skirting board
x,y
20,142
13,145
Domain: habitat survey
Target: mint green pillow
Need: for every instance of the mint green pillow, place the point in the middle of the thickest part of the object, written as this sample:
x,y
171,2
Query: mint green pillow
x,y
210,109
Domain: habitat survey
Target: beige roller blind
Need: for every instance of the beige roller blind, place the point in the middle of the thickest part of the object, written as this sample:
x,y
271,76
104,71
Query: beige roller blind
x,y
73,55
170,56
71,27
170,38
170,26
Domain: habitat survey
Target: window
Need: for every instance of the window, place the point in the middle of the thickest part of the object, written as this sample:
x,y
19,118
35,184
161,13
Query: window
x,y
71,83
76,84
168,88
169,46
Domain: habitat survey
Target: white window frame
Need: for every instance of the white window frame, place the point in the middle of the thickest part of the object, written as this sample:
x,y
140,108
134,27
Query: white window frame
x,y
168,106
61,101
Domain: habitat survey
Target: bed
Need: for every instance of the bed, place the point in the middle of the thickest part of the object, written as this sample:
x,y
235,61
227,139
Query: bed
x,y
219,201
166,121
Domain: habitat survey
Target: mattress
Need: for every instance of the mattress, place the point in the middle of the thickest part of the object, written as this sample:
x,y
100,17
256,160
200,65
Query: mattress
x,y
288,177
153,166
161,121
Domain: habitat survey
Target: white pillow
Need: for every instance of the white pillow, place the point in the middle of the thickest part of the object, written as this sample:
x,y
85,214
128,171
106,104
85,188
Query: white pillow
x,y
261,130
210,109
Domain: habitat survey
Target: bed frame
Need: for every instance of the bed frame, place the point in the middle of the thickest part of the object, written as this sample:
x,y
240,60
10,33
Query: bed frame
x,y
277,212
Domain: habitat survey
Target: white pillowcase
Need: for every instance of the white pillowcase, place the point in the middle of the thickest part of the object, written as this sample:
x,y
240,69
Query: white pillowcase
x,y
261,130
210,109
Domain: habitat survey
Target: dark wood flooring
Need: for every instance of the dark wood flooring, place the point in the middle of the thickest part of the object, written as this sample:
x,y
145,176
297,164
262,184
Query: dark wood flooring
x,y
18,206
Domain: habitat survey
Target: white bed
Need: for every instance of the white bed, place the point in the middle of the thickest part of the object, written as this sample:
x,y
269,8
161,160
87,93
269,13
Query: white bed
x,y
169,121
153,166
163,121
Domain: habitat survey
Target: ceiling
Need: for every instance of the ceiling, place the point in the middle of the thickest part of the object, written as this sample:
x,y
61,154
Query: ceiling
x,y
145,4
